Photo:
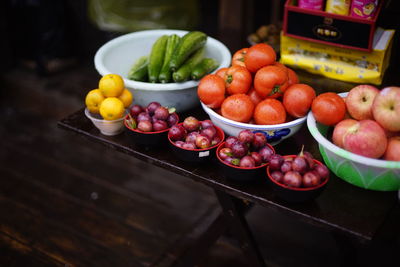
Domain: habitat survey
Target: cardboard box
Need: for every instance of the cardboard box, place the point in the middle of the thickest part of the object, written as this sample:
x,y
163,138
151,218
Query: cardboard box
x,y
340,63
323,27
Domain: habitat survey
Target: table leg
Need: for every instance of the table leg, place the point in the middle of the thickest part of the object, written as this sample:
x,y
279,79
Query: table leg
x,y
234,217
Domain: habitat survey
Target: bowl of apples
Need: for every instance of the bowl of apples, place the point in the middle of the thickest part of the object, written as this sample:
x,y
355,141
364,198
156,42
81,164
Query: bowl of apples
x,y
363,149
149,125
194,140
243,158
297,178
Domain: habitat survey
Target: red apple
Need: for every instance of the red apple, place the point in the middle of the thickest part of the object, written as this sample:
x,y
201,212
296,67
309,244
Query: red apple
x,y
386,108
340,131
366,138
393,149
359,101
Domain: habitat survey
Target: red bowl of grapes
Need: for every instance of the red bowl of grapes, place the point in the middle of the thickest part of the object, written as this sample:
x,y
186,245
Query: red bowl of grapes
x,y
244,158
149,126
297,178
194,140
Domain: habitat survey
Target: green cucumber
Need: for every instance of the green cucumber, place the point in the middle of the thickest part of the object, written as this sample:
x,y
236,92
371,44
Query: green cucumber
x,y
188,44
138,71
183,73
165,73
205,66
156,58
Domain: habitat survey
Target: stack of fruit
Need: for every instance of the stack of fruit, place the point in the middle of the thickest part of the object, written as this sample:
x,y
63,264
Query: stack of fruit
x,y
110,99
366,122
194,134
247,150
256,89
152,118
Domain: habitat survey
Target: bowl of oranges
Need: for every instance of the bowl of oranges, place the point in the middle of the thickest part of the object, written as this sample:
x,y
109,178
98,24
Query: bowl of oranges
x,y
107,105
257,93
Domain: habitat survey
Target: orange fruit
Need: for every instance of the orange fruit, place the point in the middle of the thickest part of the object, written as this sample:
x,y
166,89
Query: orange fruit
x,y
269,111
238,107
328,108
211,90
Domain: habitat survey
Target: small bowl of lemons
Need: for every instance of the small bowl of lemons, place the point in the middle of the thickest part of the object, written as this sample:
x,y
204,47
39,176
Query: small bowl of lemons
x,y
106,106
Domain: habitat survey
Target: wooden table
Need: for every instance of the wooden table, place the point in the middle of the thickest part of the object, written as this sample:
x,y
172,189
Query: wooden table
x,y
353,215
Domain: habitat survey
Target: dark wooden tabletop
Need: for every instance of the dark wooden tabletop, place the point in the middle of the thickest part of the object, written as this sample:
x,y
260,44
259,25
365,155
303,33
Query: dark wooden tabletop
x,y
342,207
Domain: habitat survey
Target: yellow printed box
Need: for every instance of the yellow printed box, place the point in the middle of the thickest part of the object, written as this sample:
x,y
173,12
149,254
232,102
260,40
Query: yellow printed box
x,y
340,63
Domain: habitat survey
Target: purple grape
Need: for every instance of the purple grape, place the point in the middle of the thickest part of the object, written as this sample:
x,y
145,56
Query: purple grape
x,y
143,116
275,162
322,171
215,140
239,149
225,153
159,125
206,123
145,126
179,143
257,157
277,176
232,161
189,146
247,161
292,179
135,110
309,158
230,141
151,107
191,137
203,141
161,113
311,179
209,131
300,164
246,136
172,119
266,152
259,140
191,124
286,166
177,132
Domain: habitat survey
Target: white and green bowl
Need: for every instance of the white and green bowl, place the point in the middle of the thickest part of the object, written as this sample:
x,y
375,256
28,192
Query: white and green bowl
x,y
368,173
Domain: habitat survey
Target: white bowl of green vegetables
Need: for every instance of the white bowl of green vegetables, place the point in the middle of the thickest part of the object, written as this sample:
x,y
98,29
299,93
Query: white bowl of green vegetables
x,y
131,53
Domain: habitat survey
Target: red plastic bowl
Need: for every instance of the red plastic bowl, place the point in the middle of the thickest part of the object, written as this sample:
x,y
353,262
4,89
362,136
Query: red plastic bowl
x,y
296,194
241,174
150,139
196,155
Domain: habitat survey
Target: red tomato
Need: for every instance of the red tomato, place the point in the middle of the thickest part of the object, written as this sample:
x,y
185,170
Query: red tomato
x,y
211,90
258,56
292,77
254,96
297,99
238,80
328,108
221,72
238,57
271,81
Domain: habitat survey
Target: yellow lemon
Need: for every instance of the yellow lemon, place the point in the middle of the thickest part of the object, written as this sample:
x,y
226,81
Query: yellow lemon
x,y
126,97
93,100
111,85
112,108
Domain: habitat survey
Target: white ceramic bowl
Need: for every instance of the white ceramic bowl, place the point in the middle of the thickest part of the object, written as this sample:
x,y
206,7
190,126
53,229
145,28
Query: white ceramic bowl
x,y
106,127
274,133
118,55
368,173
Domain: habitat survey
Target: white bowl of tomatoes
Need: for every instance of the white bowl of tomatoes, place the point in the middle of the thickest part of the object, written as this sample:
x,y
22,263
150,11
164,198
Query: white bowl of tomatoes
x,y
257,93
